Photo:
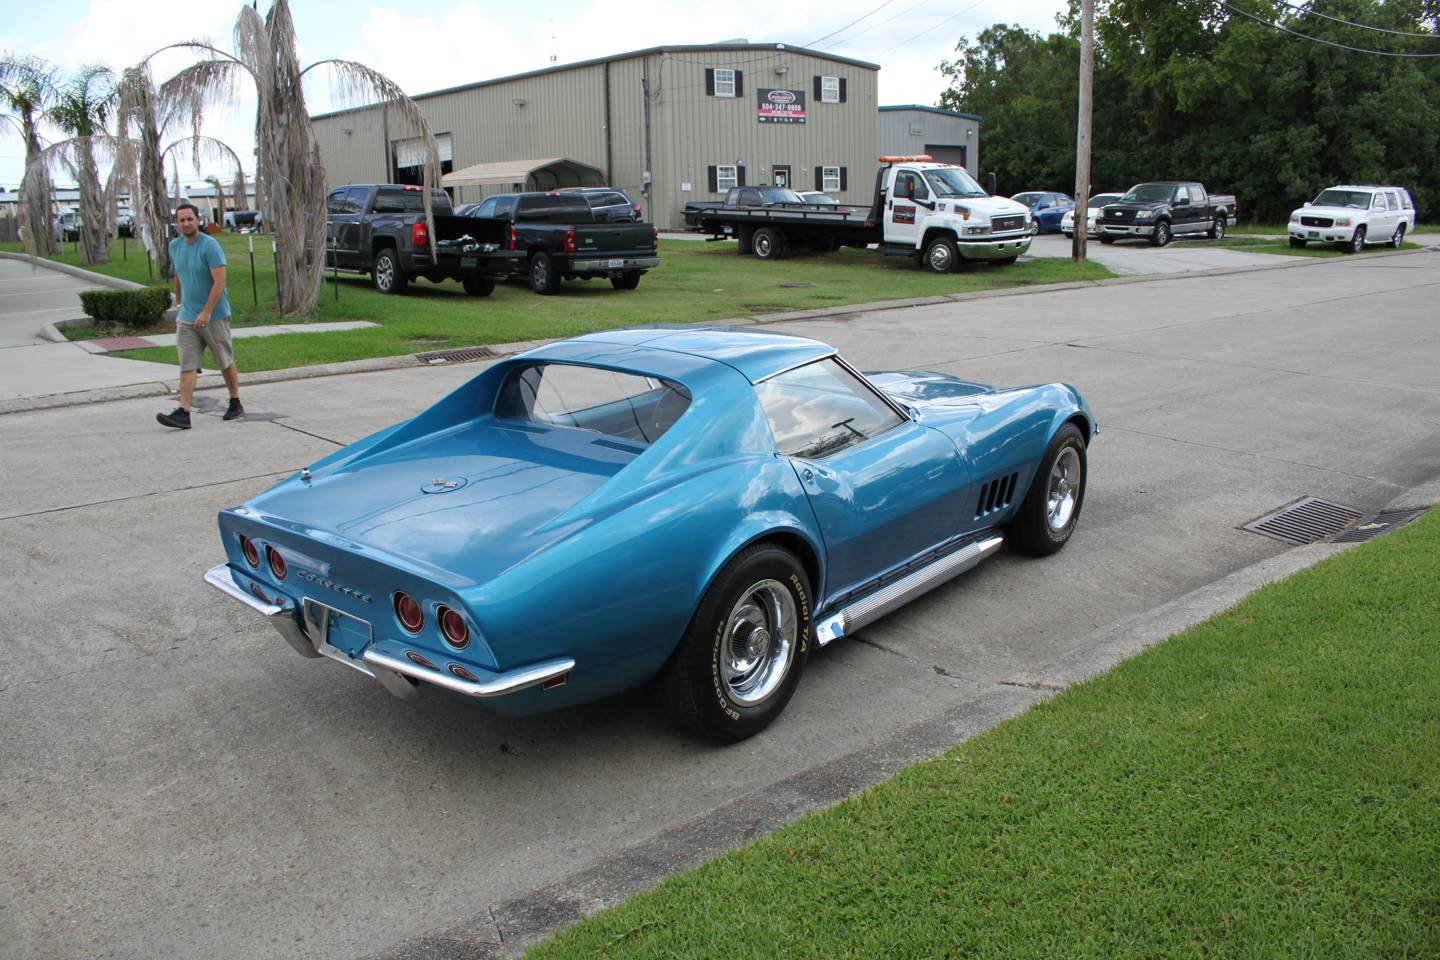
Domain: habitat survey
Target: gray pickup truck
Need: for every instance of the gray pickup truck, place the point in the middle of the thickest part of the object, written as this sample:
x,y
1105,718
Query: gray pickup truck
x,y
1163,210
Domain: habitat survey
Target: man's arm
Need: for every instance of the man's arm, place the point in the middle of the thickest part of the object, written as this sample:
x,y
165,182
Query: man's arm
x,y
217,287
175,279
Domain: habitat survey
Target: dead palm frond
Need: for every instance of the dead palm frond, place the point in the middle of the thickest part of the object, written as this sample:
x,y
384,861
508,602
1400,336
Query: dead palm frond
x,y
82,108
27,89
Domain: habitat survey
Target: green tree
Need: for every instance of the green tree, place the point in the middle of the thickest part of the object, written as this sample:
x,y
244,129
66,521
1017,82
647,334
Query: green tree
x,y
27,90
82,108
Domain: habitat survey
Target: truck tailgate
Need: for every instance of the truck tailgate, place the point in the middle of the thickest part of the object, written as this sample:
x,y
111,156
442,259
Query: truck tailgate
x,y
600,238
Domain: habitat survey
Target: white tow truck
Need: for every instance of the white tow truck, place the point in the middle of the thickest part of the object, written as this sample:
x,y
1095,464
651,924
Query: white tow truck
x,y
933,212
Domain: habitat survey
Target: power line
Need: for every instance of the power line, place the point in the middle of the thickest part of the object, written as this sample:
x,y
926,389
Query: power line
x,y
1363,26
1328,43
882,23
851,23
934,26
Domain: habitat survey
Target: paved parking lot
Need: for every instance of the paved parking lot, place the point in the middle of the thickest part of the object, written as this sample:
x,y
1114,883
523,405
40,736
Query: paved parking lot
x,y
174,781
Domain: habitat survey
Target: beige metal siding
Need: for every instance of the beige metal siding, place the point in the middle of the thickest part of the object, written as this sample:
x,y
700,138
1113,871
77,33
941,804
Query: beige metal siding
x,y
897,136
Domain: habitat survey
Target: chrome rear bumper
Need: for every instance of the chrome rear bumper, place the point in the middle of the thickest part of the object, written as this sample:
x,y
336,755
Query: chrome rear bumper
x,y
388,661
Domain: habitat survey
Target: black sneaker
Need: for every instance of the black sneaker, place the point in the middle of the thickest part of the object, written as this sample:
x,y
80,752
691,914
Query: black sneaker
x,y
235,411
179,418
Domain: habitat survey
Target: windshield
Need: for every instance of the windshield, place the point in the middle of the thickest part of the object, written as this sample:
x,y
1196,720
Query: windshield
x,y
953,182
1358,199
1150,192
1100,199
779,195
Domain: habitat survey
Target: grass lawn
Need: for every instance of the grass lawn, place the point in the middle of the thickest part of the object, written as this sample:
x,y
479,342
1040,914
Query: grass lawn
x,y
1263,784
695,283
1260,244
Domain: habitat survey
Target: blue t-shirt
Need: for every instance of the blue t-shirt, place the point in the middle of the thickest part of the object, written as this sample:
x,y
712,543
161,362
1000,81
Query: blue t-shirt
x,y
193,263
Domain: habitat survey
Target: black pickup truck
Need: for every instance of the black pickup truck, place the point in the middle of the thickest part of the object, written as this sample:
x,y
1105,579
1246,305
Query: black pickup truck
x,y
554,236
782,198
1165,209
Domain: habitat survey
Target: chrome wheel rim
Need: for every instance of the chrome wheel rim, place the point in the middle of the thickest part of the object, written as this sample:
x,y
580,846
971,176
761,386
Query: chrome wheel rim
x,y
1219,229
1358,243
1398,240
540,273
1063,492
761,245
759,643
939,258
384,273
1162,233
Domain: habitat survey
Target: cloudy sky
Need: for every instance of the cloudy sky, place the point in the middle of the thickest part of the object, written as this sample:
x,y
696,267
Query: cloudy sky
x,y
429,46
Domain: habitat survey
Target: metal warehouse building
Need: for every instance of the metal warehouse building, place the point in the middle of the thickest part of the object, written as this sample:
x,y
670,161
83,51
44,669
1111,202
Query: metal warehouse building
x,y
947,135
715,116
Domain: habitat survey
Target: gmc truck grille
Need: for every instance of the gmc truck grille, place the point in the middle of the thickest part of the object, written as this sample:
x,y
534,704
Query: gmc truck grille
x,y
1317,221
1007,223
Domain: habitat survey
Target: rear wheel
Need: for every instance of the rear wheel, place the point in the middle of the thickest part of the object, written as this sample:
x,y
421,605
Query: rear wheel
x,y
1357,242
1217,232
1397,239
1161,236
940,255
386,273
628,280
1051,507
1296,243
740,660
768,244
478,286
543,278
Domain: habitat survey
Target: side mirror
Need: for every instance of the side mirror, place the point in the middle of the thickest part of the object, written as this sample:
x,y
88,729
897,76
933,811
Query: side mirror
x,y
1042,205
990,182
1183,202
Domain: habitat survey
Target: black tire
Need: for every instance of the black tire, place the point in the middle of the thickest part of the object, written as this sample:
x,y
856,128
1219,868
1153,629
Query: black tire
x,y
628,280
1296,243
1107,240
744,238
479,286
703,685
768,244
1217,231
386,274
1161,236
1005,261
940,256
1043,525
544,278
1357,242
1397,239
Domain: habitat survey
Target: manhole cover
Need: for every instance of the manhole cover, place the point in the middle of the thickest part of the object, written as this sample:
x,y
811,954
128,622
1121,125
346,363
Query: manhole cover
x,y
456,356
1380,523
1307,520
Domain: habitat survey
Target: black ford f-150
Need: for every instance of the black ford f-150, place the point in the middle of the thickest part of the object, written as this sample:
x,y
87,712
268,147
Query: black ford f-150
x,y
1166,209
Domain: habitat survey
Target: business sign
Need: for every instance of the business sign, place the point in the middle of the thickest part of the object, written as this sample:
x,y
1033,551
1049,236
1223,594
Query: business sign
x,y
781,106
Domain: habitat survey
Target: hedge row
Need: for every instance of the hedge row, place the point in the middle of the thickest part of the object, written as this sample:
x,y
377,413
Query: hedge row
x,y
128,308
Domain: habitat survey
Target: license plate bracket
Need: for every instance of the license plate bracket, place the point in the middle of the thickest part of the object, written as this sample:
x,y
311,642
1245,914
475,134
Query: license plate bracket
x,y
336,633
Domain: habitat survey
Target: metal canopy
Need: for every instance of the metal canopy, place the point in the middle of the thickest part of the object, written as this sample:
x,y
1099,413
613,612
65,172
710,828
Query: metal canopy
x,y
544,174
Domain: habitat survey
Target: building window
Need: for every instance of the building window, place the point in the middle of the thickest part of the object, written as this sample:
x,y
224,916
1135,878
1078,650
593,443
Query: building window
x,y
830,179
829,89
724,82
726,176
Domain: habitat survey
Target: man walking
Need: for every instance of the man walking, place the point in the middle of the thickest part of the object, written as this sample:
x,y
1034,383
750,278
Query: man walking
x,y
204,317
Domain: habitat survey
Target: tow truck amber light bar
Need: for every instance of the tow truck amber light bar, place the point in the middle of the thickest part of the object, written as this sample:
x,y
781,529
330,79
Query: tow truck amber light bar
x,y
916,158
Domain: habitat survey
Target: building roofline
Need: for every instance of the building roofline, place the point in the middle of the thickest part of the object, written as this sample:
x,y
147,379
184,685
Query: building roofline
x,y
648,51
943,113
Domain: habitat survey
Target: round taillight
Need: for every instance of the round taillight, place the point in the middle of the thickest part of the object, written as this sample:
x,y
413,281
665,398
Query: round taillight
x,y
408,612
252,555
453,626
277,562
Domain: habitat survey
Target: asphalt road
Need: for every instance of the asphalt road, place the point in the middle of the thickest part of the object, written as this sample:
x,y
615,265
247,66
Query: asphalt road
x,y
175,782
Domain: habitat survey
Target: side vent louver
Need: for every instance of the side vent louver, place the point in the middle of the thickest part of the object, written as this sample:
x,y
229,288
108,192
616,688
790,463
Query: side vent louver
x,y
996,495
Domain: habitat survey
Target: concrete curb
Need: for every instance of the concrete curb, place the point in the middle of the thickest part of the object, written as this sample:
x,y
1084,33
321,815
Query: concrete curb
x,y
51,330
77,398
506,929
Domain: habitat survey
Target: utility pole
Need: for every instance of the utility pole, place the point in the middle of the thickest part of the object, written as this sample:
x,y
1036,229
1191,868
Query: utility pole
x,y
1082,132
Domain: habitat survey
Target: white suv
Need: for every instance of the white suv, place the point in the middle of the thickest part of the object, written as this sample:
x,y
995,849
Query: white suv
x,y
1355,216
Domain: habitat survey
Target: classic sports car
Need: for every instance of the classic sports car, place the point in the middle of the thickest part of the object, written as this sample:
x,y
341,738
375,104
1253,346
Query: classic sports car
x,y
701,505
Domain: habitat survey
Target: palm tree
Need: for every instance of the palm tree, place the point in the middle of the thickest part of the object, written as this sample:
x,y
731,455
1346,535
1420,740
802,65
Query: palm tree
x,y
27,89
289,178
214,182
141,163
82,109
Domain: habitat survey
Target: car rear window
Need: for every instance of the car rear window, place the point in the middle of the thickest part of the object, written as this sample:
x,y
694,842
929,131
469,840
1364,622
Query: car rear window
x,y
402,200
628,406
559,208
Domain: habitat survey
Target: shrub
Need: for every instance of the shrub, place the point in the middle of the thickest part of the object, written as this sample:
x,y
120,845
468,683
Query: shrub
x,y
126,308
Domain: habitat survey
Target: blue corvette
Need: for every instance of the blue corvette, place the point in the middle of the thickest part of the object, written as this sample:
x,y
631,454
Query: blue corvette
x,y
701,506
1047,209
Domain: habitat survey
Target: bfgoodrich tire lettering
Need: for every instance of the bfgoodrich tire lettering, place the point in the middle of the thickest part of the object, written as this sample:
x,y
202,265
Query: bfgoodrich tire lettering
x,y
741,658
1051,508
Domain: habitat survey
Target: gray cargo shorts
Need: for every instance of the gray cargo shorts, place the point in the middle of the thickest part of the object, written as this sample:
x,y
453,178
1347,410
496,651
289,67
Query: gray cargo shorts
x,y
192,343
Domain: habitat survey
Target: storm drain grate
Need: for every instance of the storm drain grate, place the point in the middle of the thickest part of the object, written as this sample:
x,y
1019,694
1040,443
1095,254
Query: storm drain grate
x,y
1379,524
1306,520
456,356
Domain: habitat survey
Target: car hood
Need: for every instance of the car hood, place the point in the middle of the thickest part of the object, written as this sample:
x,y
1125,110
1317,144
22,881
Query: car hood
x,y
1136,205
944,402
1330,212
474,500
987,206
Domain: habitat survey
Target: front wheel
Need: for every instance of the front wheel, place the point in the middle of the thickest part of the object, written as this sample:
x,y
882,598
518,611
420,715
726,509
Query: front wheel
x,y
1357,242
387,275
1161,236
1397,239
940,255
1051,508
1004,261
1107,240
478,286
1217,232
628,280
740,660
1296,243
543,278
